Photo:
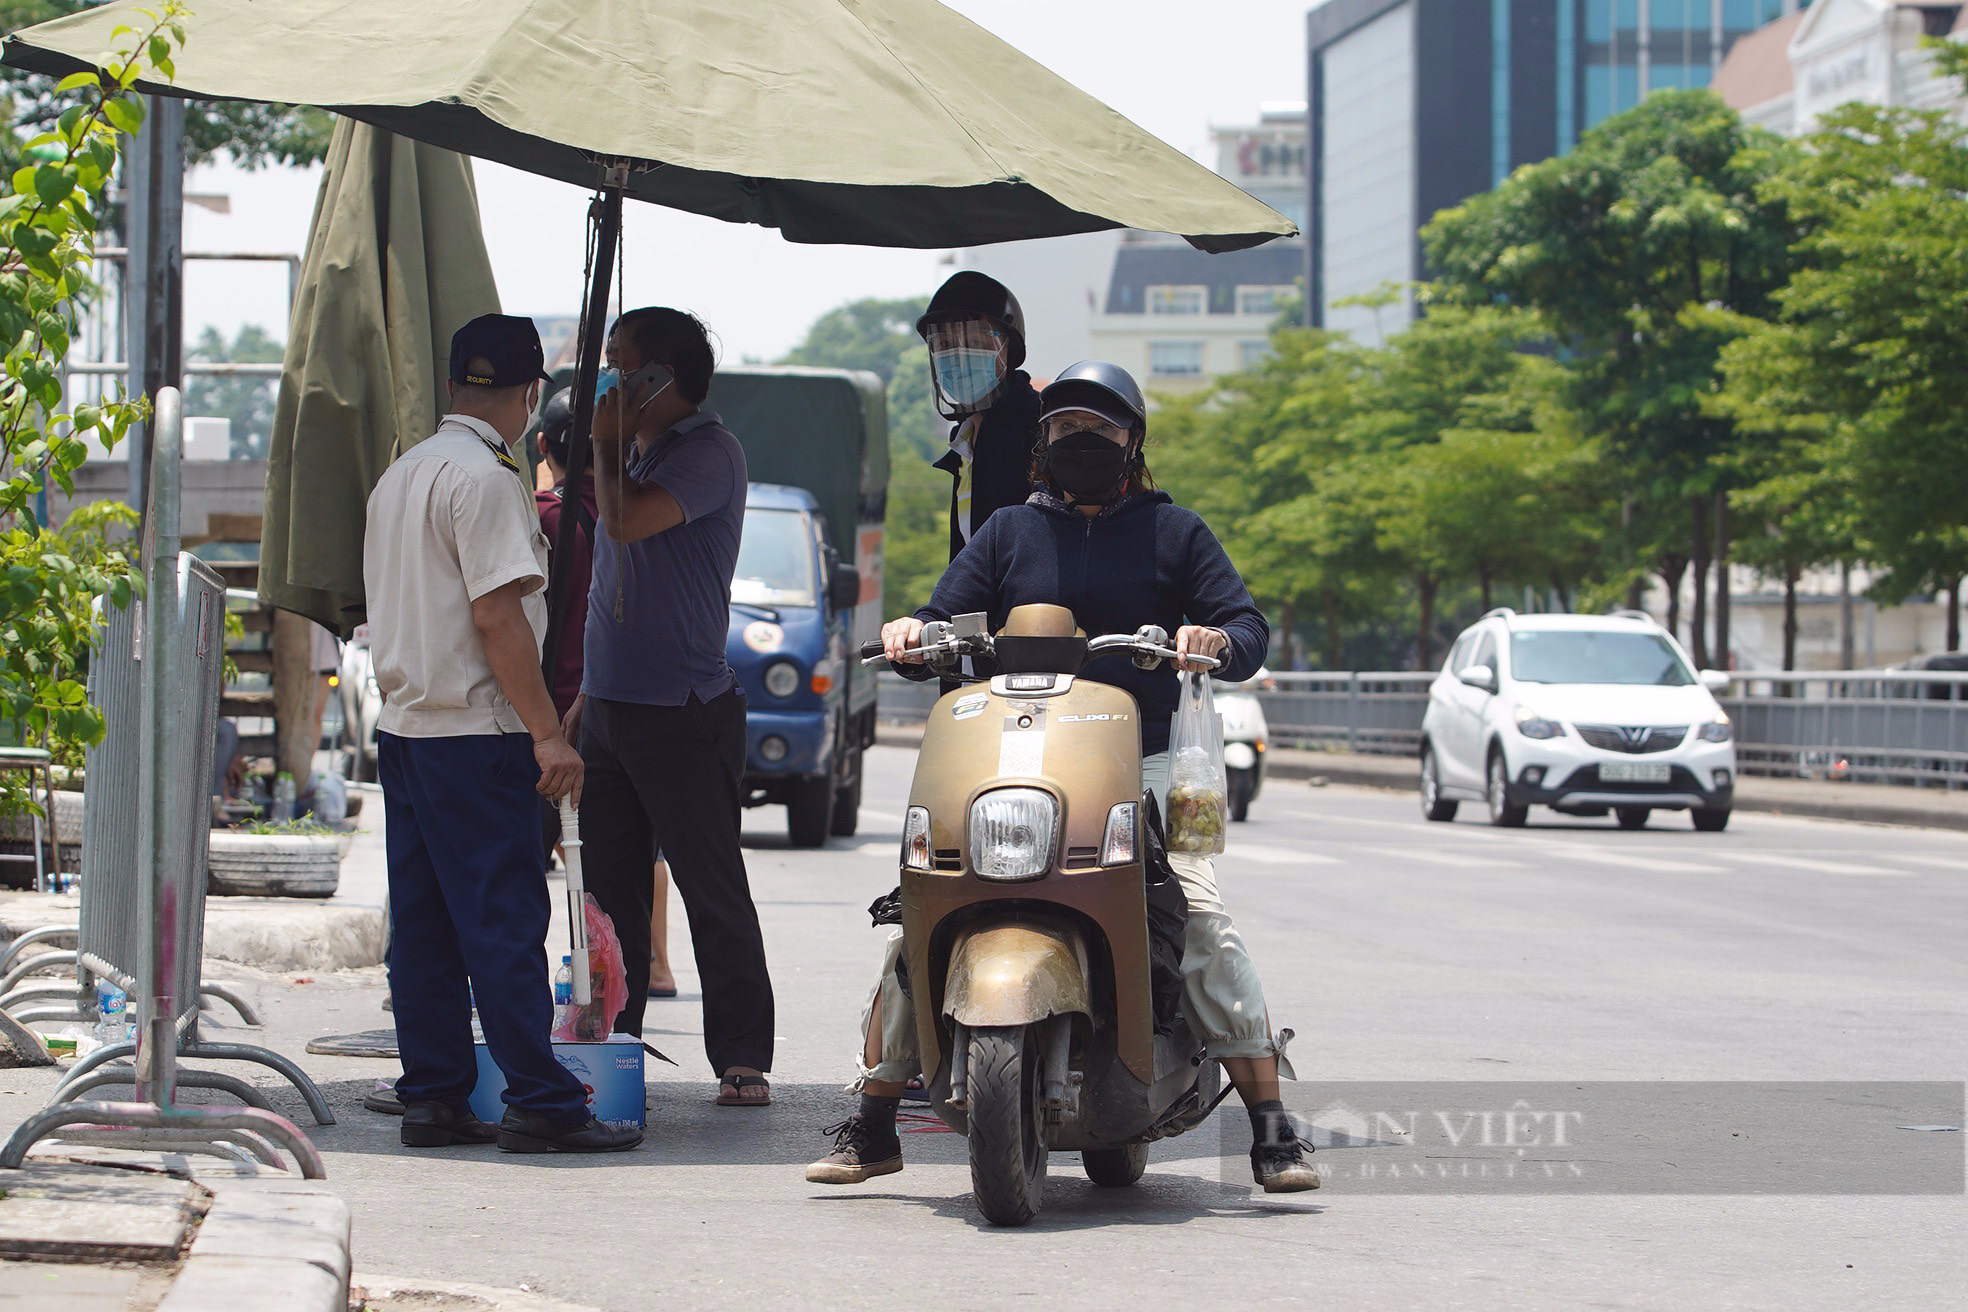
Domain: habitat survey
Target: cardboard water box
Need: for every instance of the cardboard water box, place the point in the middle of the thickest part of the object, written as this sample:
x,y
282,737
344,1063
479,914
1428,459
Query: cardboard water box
x,y
610,1071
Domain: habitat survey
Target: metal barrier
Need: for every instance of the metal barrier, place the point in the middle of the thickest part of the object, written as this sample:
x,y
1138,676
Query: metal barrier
x,y
1866,726
145,828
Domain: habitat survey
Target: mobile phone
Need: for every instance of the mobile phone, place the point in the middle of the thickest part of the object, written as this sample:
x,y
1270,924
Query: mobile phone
x,y
655,375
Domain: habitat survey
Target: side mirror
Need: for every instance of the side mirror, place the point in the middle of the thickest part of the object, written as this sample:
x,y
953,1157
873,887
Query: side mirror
x,y
1479,676
844,587
1716,680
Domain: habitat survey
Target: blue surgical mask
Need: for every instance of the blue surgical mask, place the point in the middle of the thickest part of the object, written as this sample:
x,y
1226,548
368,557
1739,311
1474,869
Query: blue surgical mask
x,y
966,376
606,379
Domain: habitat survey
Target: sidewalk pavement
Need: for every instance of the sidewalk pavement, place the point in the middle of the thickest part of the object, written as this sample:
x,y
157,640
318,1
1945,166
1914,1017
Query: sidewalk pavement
x,y
108,1230
1879,804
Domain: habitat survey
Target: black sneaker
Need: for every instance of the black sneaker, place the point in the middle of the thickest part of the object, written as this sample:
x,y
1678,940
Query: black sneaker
x,y
861,1152
1278,1163
530,1132
440,1125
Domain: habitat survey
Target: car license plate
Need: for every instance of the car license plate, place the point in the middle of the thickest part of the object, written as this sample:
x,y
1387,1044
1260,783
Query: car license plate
x,y
1633,772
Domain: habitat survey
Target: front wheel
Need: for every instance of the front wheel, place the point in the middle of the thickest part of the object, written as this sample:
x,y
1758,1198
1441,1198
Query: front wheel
x,y
1006,1087
1433,805
1115,1168
809,808
847,802
1712,820
1632,817
1502,813
1242,784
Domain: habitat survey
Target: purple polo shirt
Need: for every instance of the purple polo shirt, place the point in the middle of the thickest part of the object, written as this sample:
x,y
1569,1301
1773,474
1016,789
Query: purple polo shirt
x,y
675,587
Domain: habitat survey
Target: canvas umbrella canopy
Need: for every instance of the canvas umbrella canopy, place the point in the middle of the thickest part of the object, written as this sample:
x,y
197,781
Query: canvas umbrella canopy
x,y
873,122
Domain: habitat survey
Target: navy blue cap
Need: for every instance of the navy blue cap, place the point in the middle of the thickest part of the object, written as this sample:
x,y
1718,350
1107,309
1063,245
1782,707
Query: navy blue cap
x,y
509,342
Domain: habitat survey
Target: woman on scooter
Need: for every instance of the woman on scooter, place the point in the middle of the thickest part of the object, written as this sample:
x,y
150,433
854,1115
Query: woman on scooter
x,y
1100,539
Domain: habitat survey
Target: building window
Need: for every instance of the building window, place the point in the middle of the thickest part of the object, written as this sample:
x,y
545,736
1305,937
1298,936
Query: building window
x,y
1175,359
1253,352
1261,300
1178,300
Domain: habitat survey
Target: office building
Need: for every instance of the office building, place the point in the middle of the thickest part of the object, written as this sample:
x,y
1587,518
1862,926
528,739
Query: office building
x,y
1416,105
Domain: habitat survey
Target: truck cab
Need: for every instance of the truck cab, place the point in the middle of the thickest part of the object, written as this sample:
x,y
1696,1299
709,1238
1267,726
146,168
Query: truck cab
x,y
791,601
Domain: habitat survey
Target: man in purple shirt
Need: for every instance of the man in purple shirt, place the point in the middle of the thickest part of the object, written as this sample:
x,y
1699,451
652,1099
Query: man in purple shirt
x,y
661,717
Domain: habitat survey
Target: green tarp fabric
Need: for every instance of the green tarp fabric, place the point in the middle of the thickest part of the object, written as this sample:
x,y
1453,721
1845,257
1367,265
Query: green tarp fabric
x,y
395,264
878,122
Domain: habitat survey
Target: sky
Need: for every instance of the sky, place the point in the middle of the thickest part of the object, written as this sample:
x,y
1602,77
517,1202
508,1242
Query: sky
x,y
1161,63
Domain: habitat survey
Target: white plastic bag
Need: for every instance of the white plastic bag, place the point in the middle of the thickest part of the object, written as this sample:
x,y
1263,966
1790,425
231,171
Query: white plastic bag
x,y
1198,795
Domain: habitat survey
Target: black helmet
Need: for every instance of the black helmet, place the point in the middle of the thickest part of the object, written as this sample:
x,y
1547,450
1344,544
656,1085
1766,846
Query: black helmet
x,y
968,294
557,415
1106,389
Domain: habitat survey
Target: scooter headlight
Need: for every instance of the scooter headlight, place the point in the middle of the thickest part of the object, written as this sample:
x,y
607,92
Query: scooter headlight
x,y
915,840
1121,845
1011,833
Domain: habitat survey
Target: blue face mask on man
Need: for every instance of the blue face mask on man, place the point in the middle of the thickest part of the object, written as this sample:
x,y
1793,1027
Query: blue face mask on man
x,y
966,376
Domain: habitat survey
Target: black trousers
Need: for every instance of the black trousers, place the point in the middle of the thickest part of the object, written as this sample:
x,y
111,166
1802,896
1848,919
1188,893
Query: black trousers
x,y
675,772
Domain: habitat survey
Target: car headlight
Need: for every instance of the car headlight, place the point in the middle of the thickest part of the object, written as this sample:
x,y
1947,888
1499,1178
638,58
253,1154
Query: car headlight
x,y
915,839
1533,725
1717,730
1011,831
781,679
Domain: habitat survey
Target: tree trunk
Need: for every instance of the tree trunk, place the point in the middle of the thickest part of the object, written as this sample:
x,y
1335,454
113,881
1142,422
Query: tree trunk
x,y
1335,651
1287,620
1847,639
1560,591
1671,570
1954,616
1791,574
1636,591
1701,544
294,681
1723,659
1425,639
1483,579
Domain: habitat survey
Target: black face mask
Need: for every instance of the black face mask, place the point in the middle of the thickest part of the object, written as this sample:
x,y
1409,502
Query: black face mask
x,y
1088,467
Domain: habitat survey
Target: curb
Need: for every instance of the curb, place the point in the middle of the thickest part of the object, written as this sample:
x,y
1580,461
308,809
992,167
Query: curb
x,y
268,1244
1874,804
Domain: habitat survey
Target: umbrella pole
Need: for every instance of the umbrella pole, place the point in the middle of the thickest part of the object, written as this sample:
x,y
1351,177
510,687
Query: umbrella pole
x,y
607,210
577,909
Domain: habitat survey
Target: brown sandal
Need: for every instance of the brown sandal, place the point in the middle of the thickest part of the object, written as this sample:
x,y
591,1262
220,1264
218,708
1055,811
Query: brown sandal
x,y
738,1085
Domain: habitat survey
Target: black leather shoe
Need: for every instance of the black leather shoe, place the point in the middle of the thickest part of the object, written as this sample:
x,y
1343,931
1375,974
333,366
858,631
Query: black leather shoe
x,y
530,1132
440,1125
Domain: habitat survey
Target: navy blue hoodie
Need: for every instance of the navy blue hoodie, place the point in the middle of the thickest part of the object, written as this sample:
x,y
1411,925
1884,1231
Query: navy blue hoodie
x,y
1143,560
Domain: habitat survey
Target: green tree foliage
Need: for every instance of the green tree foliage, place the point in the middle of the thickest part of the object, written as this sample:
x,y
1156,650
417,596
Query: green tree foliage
x,y
880,336
254,135
246,400
53,575
1660,213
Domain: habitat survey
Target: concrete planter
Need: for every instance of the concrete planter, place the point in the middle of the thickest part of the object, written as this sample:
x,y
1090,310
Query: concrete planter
x,y
275,865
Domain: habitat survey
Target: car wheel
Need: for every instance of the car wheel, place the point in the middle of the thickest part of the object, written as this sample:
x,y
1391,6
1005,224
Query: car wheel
x,y
1632,817
1712,820
1502,814
1433,806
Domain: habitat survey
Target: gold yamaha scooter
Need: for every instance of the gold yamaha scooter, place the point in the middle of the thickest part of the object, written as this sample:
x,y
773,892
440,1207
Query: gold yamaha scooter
x,y
1026,915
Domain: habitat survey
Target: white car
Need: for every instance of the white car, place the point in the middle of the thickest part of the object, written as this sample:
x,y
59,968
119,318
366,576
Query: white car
x,y
1582,713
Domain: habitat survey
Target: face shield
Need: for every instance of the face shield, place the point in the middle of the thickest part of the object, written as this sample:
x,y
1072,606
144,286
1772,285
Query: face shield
x,y
966,364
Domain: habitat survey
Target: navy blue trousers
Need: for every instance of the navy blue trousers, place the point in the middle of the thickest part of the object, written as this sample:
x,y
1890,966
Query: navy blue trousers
x,y
468,913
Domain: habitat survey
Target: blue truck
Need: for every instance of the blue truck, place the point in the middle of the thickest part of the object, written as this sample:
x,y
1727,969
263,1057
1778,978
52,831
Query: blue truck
x,y
807,590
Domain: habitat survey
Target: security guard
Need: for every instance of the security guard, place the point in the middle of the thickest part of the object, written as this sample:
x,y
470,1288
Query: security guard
x,y
453,563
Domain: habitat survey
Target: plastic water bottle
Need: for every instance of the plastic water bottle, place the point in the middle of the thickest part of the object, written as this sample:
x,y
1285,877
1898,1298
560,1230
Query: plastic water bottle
x,y
564,992
112,1013
283,797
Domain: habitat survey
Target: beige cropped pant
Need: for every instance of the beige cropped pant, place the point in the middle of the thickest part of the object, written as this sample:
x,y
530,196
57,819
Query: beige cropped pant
x,y
1220,990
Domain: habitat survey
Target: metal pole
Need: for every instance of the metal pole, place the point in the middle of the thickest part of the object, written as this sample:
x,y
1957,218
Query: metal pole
x,y
157,1037
609,204
163,283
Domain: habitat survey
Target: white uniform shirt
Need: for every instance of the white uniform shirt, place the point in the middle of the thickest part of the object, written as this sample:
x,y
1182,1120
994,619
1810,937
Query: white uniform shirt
x,y
449,522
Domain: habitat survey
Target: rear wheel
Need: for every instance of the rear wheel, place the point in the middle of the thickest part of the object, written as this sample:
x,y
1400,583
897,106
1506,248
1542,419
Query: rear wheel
x,y
1712,820
1115,1168
1502,813
809,808
1006,1087
1433,805
847,802
1632,817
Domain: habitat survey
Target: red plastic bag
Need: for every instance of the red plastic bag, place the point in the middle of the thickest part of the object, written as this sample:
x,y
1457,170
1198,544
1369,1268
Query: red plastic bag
x,y
608,981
